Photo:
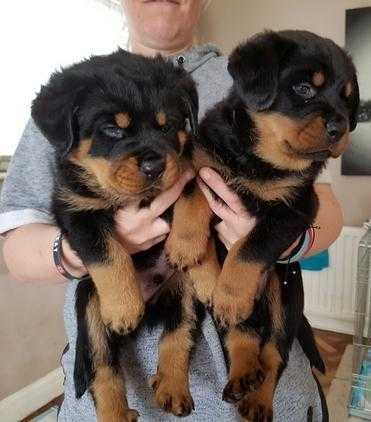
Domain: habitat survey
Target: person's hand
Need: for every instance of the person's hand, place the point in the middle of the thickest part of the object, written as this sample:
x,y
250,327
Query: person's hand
x,y
236,221
140,229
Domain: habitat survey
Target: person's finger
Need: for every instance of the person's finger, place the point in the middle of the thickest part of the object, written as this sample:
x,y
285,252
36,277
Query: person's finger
x,y
217,206
224,240
163,201
217,184
147,245
158,228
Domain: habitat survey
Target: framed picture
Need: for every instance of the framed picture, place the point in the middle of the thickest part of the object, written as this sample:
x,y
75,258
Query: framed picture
x,y
357,158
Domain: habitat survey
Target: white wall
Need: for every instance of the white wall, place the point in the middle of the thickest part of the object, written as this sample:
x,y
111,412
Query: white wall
x,y
37,37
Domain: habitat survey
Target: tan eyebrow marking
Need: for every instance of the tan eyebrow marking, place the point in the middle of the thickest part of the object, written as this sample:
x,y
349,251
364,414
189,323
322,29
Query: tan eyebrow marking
x,y
161,118
348,89
122,120
318,79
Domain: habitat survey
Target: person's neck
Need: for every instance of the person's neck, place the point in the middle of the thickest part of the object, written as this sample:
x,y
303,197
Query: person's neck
x,y
139,48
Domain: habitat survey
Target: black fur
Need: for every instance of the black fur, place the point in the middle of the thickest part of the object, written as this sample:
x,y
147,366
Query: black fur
x,y
266,71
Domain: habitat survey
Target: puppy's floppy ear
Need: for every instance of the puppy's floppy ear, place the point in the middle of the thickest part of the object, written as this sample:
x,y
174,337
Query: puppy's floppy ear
x,y
354,103
255,66
54,110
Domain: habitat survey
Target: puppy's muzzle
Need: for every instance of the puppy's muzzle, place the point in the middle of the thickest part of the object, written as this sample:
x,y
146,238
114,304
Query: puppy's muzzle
x,y
336,128
152,166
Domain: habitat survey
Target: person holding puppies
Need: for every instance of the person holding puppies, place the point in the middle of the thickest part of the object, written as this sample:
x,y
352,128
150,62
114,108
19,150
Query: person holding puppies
x,y
166,28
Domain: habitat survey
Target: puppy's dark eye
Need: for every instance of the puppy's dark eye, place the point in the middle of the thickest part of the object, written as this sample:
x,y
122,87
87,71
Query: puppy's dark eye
x,y
112,131
305,90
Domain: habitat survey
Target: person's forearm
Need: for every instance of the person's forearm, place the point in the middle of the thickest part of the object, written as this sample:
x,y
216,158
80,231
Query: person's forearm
x,y
329,220
327,225
28,255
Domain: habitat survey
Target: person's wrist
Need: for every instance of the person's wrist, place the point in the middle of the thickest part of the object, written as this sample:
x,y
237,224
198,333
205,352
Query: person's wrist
x,y
71,261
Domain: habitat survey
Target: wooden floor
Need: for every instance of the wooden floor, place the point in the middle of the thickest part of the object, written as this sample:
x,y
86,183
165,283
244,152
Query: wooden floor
x,y
331,346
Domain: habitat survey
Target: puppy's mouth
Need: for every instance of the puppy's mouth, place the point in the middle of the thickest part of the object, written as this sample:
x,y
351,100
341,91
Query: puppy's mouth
x,y
318,154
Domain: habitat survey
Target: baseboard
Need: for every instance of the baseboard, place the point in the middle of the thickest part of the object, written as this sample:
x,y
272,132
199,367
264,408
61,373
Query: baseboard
x,y
31,398
331,323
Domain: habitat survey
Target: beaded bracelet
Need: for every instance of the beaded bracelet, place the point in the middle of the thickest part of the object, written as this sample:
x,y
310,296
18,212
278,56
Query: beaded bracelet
x,y
58,261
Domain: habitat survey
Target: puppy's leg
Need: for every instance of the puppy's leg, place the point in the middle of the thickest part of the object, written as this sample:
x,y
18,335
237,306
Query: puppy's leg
x,y
187,242
170,384
107,385
245,373
249,258
258,405
236,288
120,298
204,276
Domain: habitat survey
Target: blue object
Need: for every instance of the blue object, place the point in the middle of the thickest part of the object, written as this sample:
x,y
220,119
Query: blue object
x,y
316,262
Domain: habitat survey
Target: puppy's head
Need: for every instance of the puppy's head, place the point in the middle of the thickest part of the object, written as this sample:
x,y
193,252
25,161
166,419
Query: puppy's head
x,y
125,120
302,92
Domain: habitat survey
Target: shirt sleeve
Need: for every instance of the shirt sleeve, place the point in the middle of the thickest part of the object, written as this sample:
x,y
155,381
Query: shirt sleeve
x,y
27,190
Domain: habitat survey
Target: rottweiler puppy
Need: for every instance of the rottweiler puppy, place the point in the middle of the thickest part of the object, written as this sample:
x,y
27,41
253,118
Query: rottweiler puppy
x,y
293,103
122,128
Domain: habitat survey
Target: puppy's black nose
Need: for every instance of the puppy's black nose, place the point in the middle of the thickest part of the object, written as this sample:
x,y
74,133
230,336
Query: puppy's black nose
x,y
152,165
336,128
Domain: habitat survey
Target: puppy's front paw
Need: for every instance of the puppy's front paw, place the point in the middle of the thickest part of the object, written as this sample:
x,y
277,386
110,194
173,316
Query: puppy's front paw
x,y
244,383
129,416
186,249
255,407
230,306
122,317
172,396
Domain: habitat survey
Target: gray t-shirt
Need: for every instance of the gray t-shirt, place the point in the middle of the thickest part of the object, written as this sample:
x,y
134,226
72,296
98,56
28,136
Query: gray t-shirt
x,y
26,198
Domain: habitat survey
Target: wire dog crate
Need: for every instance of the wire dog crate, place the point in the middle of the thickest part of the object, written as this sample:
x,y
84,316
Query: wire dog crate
x,y
360,393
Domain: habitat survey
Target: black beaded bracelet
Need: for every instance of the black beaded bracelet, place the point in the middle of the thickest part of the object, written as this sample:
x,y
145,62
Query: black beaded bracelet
x,y
57,256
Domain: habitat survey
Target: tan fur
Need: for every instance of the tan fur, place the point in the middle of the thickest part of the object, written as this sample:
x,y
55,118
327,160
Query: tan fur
x,y
77,202
171,384
205,275
340,146
123,120
262,398
271,190
97,332
109,394
161,118
172,171
348,89
275,301
82,151
187,242
182,138
243,351
318,79
121,302
236,288
281,136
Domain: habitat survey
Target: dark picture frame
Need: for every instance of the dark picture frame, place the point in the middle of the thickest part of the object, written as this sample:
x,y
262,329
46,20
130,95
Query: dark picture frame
x,y
356,161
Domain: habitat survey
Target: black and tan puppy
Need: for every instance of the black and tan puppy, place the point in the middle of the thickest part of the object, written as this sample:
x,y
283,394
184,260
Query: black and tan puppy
x,y
121,126
292,105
